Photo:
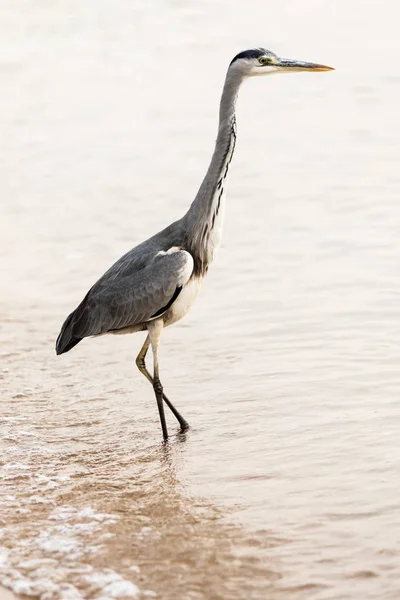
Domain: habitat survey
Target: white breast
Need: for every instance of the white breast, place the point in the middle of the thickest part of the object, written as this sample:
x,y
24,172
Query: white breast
x,y
183,302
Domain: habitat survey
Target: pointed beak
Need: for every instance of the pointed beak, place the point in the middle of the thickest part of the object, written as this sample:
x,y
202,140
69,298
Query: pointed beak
x,y
286,64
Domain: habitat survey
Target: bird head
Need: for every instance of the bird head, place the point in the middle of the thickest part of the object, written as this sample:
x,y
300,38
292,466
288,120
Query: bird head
x,y
260,61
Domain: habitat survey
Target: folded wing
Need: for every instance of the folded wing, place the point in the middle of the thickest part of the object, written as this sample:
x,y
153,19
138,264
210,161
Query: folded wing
x,y
126,301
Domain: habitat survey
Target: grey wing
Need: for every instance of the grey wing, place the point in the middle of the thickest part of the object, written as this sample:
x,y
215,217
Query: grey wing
x,y
142,255
129,300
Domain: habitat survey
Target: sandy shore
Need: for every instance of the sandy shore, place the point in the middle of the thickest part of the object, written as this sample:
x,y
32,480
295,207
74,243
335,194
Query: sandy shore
x,y
7,595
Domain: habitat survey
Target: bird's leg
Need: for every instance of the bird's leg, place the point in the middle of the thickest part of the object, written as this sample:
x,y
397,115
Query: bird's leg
x,y
155,328
140,362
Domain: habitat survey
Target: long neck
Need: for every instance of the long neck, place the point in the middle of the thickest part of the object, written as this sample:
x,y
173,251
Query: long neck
x,y
205,212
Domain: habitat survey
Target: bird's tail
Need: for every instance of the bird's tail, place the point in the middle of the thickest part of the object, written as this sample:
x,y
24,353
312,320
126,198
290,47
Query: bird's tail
x,y
74,330
66,339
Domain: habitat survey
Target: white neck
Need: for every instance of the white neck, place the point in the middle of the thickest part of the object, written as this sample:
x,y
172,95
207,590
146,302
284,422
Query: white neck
x,y
205,216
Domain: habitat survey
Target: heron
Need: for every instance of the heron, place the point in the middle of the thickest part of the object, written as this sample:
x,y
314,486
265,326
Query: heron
x,y
154,285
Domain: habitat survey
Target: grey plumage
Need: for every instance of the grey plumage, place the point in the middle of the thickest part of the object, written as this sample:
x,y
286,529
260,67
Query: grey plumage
x,y
154,284
133,289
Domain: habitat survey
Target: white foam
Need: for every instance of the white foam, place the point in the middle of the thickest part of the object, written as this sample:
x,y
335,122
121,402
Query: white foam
x,y
17,466
134,568
26,433
35,563
90,527
39,500
47,482
4,552
68,536
20,584
106,536
111,585
62,513
32,588
88,512
22,511
59,544
69,592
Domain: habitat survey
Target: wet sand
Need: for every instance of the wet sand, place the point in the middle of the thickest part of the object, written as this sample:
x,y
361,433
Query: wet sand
x,y
7,595
287,368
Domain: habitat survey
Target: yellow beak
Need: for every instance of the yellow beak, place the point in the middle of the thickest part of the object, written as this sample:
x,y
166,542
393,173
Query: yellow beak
x,y
298,65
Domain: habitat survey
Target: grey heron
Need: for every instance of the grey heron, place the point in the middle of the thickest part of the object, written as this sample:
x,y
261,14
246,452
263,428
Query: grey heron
x,y
154,285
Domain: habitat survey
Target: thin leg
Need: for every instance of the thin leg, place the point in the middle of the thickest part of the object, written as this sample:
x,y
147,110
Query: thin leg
x,y
158,390
140,361
155,328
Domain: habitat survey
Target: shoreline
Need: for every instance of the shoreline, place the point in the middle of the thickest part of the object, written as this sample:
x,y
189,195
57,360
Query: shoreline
x,y
6,594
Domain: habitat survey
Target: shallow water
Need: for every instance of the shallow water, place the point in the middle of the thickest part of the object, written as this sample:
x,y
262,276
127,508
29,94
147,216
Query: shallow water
x,y
287,485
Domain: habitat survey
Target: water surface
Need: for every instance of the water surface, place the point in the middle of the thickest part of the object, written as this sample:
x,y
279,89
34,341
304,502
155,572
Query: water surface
x,y
287,485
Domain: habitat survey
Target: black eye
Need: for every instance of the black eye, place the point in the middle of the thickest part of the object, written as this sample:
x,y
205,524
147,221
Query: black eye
x,y
263,60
